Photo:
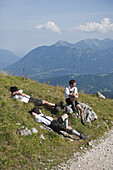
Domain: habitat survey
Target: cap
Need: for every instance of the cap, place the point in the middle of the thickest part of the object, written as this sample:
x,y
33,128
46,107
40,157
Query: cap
x,y
13,89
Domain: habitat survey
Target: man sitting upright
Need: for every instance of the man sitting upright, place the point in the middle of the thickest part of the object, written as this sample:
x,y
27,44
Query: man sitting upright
x,y
71,96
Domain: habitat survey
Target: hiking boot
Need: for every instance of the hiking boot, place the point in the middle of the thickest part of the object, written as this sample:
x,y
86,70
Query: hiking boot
x,y
59,106
82,136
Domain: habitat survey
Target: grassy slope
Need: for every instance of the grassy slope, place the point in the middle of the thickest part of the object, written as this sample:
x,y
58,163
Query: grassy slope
x,y
32,152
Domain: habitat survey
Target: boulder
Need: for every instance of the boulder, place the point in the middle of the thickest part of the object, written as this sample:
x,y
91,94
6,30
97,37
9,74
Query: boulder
x,y
100,95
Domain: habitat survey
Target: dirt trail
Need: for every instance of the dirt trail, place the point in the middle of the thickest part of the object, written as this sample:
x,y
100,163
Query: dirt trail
x,y
100,157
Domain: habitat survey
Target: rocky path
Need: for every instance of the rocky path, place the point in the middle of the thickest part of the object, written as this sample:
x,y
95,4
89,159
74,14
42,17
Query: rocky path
x,y
100,157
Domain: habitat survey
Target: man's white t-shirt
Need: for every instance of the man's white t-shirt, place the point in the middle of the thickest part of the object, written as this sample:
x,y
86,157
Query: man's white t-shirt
x,y
20,98
69,90
43,119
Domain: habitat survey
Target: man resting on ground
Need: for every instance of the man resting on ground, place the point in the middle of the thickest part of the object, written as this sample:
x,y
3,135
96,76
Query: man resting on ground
x,y
22,97
61,124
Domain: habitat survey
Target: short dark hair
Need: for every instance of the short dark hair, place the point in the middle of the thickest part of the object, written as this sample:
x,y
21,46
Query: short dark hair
x,y
13,89
72,82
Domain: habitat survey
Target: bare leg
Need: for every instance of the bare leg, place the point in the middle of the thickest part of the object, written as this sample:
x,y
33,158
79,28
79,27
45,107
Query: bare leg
x,y
48,104
72,131
65,120
69,128
65,116
79,107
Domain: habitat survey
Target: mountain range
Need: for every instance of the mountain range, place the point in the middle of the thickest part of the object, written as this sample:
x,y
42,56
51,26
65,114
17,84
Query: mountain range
x,y
63,58
7,58
89,43
88,61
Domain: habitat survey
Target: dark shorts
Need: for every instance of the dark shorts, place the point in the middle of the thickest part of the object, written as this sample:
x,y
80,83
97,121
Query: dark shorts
x,y
35,101
68,101
60,120
57,125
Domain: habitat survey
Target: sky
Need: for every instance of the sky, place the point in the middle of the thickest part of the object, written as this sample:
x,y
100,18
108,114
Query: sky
x,y
28,24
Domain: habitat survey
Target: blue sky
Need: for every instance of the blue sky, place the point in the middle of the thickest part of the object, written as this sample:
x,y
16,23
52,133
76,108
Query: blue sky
x,y
27,24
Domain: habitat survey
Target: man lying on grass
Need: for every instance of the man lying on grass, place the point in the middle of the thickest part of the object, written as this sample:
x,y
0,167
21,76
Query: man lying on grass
x,y
61,124
22,97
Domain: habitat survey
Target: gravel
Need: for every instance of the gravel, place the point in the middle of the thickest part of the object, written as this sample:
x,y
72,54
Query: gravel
x,y
100,157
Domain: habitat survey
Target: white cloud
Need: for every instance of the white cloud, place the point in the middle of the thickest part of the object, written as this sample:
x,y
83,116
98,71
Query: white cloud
x,y
104,26
49,26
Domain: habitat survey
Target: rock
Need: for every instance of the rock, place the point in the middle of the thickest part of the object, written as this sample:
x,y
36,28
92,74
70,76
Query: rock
x,y
18,123
89,114
90,143
22,127
69,109
34,130
100,95
67,135
45,127
42,127
42,137
25,132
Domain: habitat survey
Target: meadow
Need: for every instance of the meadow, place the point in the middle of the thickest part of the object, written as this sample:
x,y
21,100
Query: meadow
x,y
33,152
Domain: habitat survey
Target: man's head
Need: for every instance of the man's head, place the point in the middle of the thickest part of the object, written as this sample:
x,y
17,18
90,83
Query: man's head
x,y
13,89
72,83
36,110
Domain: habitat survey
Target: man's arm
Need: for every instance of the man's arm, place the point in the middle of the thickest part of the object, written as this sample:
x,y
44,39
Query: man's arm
x,y
34,114
73,95
18,93
66,92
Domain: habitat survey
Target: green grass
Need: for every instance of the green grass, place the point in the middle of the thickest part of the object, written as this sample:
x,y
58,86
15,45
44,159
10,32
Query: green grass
x,y
32,152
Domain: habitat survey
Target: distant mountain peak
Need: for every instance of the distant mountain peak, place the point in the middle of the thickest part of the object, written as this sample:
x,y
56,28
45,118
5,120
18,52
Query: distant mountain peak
x,y
88,43
95,44
62,43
